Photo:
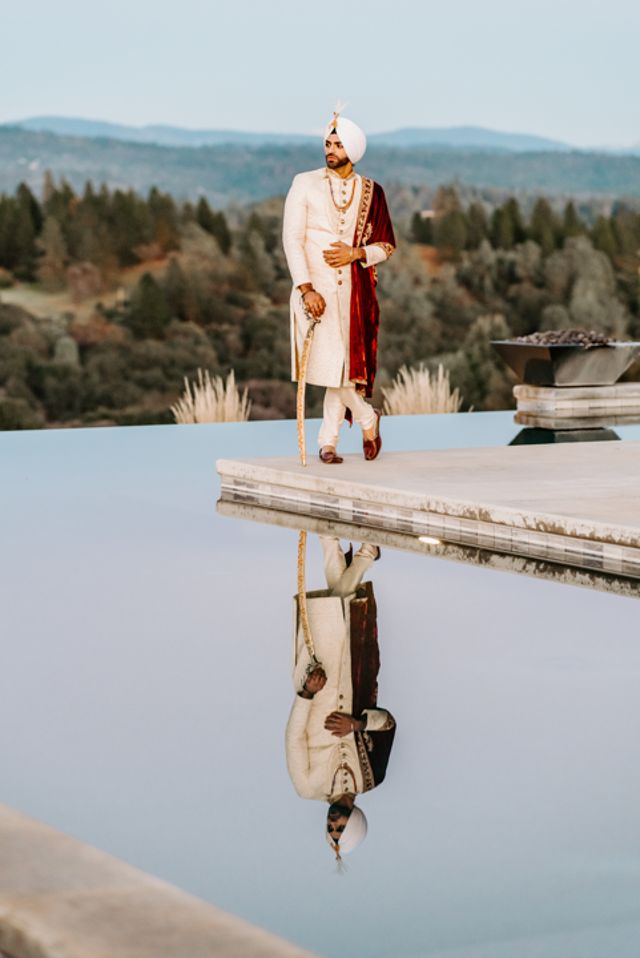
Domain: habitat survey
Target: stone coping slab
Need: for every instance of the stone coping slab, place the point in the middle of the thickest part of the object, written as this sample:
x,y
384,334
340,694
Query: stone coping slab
x,y
554,421
565,502
60,898
622,391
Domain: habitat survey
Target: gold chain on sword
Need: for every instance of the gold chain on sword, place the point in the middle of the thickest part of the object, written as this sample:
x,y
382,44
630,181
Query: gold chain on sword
x,y
302,380
302,602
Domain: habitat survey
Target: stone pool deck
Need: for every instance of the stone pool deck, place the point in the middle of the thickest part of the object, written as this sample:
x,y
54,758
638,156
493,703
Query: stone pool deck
x,y
60,898
576,504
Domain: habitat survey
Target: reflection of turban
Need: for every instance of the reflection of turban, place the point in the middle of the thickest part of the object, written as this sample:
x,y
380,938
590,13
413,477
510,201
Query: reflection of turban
x,y
351,136
353,834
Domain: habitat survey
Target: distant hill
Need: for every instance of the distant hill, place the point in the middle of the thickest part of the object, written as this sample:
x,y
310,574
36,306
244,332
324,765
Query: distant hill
x,y
159,134
454,137
243,173
467,137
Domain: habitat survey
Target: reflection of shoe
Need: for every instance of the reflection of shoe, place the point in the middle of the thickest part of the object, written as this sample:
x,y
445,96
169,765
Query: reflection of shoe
x,y
328,454
372,447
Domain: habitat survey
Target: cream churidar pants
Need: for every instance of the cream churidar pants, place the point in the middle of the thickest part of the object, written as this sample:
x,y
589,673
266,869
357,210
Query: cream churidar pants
x,y
336,400
341,579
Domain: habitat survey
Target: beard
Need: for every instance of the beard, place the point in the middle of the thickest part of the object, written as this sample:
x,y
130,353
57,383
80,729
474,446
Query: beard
x,y
335,163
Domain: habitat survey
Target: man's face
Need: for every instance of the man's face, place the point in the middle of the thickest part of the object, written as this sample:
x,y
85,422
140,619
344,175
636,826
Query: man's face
x,y
334,151
337,818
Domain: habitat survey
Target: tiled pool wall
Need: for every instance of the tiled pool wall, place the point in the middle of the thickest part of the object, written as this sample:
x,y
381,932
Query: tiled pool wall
x,y
569,550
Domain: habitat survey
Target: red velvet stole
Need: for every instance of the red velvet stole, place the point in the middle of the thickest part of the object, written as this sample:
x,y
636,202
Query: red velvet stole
x,y
372,226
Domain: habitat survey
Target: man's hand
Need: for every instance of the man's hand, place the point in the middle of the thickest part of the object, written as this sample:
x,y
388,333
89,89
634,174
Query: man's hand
x,y
340,725
314,304
340,254
315,681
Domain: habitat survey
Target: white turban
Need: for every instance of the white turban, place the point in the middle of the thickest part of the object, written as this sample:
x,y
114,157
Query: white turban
x,y
351,137
354,832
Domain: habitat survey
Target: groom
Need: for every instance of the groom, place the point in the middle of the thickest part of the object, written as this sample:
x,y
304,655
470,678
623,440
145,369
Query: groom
x,y
336,231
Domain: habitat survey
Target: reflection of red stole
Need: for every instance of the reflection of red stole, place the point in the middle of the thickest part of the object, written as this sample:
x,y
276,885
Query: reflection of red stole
x,y
373,226
373,747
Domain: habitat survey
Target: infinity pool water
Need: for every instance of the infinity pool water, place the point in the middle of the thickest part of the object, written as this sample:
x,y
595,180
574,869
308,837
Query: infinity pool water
x,y
146,685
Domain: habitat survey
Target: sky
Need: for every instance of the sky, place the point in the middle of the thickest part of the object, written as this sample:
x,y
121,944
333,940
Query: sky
x,y
558,68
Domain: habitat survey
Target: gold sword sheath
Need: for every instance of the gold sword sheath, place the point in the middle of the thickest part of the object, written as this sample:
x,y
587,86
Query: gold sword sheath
x,y
302,381
302,603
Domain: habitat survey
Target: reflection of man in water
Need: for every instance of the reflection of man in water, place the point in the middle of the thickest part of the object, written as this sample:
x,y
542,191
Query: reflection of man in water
x,y
337,740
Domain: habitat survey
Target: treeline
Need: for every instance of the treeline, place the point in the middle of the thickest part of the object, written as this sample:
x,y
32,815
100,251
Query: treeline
x,y
111,229
214,294
452,228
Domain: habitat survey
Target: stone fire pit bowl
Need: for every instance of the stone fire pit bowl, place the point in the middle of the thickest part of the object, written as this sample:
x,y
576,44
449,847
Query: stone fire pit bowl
x,y
560,365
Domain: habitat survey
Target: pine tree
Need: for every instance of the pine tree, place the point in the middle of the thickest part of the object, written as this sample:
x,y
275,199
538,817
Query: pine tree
x,y
216,224
26,198
625,224
222,232
422,229
205,216
543,227
572,225
502,230
257,224
477,226
603,237
450,232
48,187
259,261
187,213
53,261
25,223
176,290
149,313
131,226
6,225
512,208
61,203
164,220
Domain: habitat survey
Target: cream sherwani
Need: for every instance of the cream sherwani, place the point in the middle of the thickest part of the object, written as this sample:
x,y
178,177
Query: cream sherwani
x,y
322,766
311,224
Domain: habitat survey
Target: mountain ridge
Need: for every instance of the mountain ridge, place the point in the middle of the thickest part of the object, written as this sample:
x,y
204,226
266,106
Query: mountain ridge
x,y
168,135
241,173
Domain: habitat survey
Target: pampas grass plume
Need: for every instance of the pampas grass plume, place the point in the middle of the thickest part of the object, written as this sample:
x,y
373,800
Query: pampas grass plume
x,y
212,400
417,390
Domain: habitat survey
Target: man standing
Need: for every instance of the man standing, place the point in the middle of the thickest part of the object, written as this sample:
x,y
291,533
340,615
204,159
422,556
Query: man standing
x,y
338,740
336,231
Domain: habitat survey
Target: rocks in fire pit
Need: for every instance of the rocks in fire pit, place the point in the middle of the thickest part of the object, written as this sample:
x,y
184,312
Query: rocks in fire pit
x,y
565,337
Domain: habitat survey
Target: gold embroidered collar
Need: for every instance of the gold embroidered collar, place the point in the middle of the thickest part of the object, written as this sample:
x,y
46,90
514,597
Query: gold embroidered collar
x,y
345,179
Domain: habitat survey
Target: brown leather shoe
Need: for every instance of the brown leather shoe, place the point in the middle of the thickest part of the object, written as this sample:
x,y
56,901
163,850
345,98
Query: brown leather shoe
x,y
329,455
372,447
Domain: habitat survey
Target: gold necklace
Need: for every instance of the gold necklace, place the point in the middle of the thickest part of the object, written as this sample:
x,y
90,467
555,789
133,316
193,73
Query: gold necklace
x,y
342,209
